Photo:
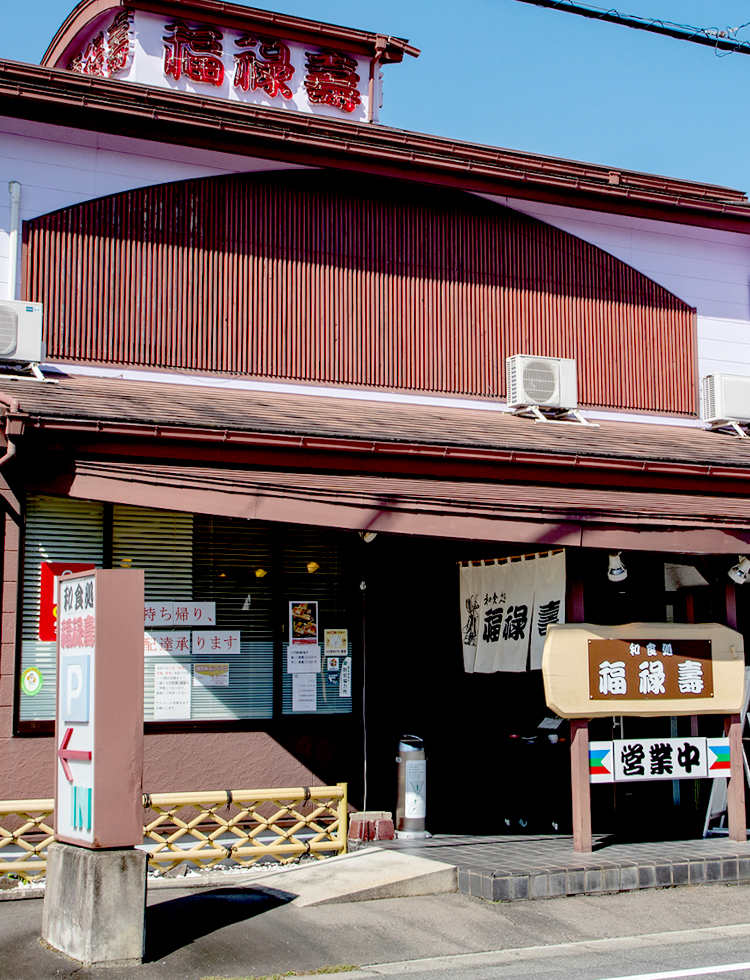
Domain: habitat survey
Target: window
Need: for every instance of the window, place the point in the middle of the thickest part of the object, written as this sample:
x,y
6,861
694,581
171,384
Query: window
x,y
239,575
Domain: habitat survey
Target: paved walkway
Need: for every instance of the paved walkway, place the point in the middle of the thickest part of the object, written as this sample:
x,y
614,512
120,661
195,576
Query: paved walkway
x,y
511,868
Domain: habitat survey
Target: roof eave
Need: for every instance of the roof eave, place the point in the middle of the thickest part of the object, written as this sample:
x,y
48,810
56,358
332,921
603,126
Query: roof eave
x,y
300,441
102,105
231,15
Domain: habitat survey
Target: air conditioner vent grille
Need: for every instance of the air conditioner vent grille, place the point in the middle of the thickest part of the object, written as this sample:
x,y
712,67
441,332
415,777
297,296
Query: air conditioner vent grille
x,y
8,331
549,382
540,381
726,397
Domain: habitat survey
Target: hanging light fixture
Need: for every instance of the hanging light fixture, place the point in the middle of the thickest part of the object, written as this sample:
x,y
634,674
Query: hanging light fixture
x,y
368,536
740,572
312,566
617,571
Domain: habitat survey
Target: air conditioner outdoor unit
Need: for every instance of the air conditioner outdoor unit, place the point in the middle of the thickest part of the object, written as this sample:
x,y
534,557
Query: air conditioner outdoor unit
x,y
549,382
21,331
726,398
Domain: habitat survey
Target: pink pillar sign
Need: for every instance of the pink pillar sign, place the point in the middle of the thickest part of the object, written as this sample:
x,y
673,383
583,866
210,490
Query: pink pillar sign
x,y
99,717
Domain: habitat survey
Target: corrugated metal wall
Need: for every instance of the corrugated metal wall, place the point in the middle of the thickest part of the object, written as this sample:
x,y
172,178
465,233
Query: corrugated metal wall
x,y
319,278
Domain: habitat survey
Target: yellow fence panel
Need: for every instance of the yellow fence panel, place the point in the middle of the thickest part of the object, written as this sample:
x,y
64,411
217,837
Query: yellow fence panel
x,y
205,829
25,832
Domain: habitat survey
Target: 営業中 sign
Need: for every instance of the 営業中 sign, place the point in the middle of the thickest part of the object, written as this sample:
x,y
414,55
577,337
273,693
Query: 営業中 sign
x,y
633,759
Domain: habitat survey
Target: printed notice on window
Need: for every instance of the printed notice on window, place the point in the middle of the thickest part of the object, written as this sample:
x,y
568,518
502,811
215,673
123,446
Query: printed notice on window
x,y
303,622
166,643
303,660
336,641
171,691
345,678
210,675
304,692
216,641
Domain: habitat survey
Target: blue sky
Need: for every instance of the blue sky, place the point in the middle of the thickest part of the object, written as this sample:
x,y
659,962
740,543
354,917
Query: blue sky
x,y
508,74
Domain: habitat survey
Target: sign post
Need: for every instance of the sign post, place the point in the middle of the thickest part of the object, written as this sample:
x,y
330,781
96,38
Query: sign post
x,y
94,903
647,670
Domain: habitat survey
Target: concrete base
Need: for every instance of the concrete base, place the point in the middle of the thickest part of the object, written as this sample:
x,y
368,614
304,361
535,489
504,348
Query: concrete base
x,y
360,877
95,904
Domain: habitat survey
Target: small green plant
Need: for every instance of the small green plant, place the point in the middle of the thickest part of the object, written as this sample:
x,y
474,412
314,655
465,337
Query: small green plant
x,y
337,968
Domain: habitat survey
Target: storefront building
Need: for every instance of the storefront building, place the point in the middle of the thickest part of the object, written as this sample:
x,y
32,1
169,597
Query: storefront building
x,y
275,378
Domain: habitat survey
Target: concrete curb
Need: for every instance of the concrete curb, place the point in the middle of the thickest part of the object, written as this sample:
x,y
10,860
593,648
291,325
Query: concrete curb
x,y
16,894
363,876
605,878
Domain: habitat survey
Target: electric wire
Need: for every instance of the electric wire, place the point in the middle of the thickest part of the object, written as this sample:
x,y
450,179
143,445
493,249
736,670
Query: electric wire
x,y
721,39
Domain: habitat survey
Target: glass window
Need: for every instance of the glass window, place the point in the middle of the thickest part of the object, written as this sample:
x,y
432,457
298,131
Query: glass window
x,y
218,592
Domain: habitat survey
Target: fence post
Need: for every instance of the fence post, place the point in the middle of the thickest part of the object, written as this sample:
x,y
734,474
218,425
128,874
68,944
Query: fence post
x,y
343,817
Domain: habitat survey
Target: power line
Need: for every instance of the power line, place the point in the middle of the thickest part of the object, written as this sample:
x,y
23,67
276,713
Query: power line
x,y
720,40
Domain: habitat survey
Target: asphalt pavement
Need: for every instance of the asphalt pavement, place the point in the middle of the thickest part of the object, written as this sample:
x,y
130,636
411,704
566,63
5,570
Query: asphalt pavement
x,y
241,931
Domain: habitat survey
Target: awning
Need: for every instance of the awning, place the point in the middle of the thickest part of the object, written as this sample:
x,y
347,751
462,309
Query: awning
x,y
537,515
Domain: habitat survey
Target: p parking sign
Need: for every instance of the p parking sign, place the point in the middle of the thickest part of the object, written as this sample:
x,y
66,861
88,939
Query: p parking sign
x,y
99,718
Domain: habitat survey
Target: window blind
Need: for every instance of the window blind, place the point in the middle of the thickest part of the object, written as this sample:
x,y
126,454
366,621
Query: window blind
x,y
250,570
57,529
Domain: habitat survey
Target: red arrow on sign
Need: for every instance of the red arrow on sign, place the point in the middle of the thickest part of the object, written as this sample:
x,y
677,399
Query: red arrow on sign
x,y
64,754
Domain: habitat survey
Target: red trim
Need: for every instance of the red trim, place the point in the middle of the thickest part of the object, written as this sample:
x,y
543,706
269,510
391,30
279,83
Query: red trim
x,y
220,14
101,105
229,437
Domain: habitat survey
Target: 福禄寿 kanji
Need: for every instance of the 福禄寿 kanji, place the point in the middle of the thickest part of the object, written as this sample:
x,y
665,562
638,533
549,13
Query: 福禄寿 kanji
x,y
269,69
194,53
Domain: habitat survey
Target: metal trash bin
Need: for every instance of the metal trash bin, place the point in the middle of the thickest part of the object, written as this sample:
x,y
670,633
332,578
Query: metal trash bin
x,y
411,805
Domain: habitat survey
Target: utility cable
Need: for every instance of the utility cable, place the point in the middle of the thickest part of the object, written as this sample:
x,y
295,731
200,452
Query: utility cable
x,y
720,39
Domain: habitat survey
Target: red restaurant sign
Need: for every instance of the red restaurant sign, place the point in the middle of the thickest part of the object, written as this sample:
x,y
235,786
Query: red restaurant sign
x,y
48,593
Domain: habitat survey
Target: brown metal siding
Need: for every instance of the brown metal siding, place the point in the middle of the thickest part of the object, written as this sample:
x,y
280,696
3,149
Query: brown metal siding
x,y
314,278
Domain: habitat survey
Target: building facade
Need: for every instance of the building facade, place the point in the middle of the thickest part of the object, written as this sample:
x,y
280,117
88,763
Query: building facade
x,y
275,377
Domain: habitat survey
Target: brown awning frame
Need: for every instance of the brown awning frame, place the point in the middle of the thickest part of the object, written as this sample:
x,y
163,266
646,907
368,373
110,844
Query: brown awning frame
x,y
535,516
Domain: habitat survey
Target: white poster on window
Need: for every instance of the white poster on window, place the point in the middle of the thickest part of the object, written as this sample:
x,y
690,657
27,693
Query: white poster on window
x,y
216,641
345,678
210,675
304,692
171,691
166,643
182,612
158,612
303,660
506,608
195,613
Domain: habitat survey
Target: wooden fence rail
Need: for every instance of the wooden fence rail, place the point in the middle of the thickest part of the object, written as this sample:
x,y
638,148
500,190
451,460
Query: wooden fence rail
x,y
241,826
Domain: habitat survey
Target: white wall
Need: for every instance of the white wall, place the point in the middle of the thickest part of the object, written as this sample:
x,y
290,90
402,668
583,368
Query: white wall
x,y
708,269
58,166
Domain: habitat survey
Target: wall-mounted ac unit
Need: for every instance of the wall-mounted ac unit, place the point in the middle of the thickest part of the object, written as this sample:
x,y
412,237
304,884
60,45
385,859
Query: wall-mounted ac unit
x,y
726,398
549,382
21,331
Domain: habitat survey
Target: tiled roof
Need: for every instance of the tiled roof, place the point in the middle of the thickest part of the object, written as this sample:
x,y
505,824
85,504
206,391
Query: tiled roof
x,y
209,410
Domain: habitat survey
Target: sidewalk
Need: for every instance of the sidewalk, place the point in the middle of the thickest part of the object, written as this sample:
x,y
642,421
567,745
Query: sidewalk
x,y
497,869
510,868
236,931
